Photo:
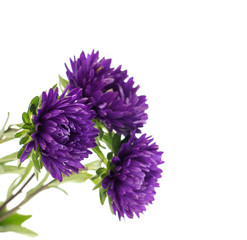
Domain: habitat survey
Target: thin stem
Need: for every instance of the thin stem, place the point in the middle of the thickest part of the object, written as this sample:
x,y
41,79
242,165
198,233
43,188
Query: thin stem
x,y
26,200
16,194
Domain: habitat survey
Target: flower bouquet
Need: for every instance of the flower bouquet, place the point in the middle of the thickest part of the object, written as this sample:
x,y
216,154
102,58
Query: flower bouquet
x,y
96,110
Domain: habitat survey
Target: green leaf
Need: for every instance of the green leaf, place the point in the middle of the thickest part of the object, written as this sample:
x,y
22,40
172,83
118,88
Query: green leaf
x,y
2,130
54,87
93,165
101,133
77,178
96,179
63,83
116,143
102,195
27,171
15,218
9,158
98,143
13,224
99,153
107,140
18,229
60,189
11,169
110,204
12,187
25,118
35,161
9,134
33,190
98,184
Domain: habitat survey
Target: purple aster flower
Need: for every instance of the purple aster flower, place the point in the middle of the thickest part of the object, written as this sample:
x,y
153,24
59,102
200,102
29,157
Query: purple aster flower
x,y
112,96
63,131
131,182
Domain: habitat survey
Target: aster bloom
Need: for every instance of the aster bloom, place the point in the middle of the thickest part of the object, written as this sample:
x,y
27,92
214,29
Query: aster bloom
x,y
110,93
64,132
132,181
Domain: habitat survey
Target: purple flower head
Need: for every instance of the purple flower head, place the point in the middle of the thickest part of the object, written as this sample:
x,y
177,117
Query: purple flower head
x,y
111,95
131,182
64,132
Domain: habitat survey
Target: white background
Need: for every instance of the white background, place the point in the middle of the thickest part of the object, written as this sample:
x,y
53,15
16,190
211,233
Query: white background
x,y
190,59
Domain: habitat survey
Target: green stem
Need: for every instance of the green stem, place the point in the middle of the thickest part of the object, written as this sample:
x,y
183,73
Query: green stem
x,y
16,194
26,200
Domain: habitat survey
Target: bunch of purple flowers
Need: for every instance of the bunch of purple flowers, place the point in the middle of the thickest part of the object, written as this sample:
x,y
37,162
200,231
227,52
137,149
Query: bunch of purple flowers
x,y
99,110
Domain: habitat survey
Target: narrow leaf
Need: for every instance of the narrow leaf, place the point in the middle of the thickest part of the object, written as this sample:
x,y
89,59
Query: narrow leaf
x,y
99,153
116,143
63,83
18,229
35,161
93,165
61,190
98,185
30,192
12,187
75,178
2,130
8,158
102,195
11,169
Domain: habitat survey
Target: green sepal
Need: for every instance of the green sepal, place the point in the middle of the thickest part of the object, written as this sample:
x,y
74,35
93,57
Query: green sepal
x,y
21,151
98,184
100,171
116,143
104,175
25,118
24,139
35,161
110,156
102,195
19,134
28,126
34,105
